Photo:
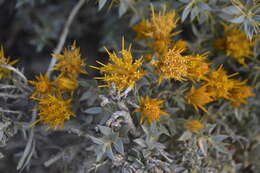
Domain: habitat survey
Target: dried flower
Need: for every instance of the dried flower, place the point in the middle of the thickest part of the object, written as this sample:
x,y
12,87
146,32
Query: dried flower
x,y
122,71
199,97
5,61
235,43
193,125
70,62
198,68
54,110
239,94
172,65
150,109
220,83
42,85
66,84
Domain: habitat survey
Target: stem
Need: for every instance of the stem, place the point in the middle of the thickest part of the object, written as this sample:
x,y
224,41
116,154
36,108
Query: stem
x,y
64,34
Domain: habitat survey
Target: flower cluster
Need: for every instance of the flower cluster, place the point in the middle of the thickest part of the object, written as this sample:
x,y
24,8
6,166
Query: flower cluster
x,y
235,44
5,61
159,29
219,85
150,110
123,72
54,105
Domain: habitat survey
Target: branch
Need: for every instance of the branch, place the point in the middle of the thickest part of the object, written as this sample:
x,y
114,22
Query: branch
x,y
64,33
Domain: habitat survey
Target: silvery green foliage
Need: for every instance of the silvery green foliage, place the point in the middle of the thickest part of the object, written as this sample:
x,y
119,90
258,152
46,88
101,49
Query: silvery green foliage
x,y
106,134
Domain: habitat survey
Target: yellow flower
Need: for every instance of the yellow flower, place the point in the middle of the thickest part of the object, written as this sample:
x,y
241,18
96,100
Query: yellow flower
x,y
239,94
193,125
199,97
42,85
172,65
123,72
53,110
150,110
66,84
235,43
198,68
180,44
5,61
70,62
220,83
159,28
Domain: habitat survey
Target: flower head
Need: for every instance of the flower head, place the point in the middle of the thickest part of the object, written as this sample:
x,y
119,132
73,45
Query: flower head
x,y
54,110
198,68
66,84
172,65
235,43
159,28
193,125
219,83
42,85
199,97
5,61
122,71
70,62
150,109
239,94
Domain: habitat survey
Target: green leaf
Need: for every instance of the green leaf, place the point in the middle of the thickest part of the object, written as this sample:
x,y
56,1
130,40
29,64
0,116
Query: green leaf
x,y
105,130
232,10
101,4
119,146
203,6
122,7
93,110
186,12
239,19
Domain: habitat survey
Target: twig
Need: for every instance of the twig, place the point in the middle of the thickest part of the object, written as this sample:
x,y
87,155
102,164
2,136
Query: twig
x,y
10,111
15,71
64,33
5,95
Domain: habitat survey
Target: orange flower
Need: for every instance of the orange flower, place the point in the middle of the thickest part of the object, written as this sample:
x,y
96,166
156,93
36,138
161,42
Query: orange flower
x,y
54,110
198,68
42,85
199,97
193,125
219,83
235,43
5,61
239,94
123,72
150,109
172,65
70,62
66,84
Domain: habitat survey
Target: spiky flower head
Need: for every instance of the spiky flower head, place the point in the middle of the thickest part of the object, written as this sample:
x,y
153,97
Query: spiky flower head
x,y
219,83
158,28
5,61
238,95
150,110
198,67
172,65
53,110
42,85
193,125
66,84
199,98
121,71
70,62
235,44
